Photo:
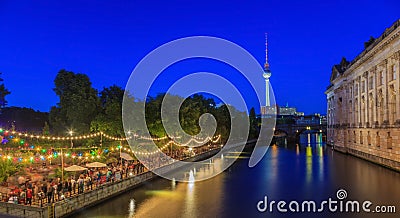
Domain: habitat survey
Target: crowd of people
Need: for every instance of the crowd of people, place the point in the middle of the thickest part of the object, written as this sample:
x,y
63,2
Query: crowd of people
x,y
48,191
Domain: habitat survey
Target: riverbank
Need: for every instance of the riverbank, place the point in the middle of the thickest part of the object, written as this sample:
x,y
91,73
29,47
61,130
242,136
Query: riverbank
x,y
71,205
87,199
387,163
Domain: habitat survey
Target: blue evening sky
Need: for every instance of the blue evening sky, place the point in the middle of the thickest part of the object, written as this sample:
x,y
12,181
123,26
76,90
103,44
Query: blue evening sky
x,y
106,39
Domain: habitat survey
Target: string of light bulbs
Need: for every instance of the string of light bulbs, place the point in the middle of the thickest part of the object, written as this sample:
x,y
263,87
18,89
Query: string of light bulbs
x,y
89,136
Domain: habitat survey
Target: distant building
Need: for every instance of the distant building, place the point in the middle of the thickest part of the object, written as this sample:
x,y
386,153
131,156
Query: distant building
x,y
308,120
364,101
268,111
287,111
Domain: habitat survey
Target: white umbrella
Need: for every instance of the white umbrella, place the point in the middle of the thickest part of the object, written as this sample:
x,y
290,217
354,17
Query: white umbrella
x,y
126,156
96,164
75,168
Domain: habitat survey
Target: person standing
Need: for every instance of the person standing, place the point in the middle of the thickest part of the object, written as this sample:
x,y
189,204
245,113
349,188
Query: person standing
x,y
59,188
73,184
80,184
35,190
65,188
69,187
29,194
22,197
50,193
44,189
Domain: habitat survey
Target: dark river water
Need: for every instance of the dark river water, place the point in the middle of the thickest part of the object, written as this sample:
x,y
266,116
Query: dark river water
x,y
287,173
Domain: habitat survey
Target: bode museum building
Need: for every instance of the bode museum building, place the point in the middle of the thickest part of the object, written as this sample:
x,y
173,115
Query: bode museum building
x,y
364,101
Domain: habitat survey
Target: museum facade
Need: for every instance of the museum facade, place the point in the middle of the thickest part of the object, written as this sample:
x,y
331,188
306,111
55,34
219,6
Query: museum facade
x,y
363,101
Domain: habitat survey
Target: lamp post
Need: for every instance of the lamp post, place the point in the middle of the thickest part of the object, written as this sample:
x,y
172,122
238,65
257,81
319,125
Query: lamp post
x,y
120,152
62,165
101,139
70,133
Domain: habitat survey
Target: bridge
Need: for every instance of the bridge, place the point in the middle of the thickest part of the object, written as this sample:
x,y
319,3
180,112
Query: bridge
x,y
293,131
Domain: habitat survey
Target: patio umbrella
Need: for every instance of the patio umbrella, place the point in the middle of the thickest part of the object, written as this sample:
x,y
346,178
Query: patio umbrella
x,y
126,156
74,168
96,164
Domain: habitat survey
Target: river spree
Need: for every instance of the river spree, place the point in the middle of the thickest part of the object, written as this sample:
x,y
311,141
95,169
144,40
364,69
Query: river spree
x,y
288,173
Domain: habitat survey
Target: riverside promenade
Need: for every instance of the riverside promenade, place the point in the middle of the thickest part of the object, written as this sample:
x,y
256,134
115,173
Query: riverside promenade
x,y
90,198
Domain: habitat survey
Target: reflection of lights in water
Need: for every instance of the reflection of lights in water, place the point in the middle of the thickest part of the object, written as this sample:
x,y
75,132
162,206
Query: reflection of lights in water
x,y
190,203
132,207
321,162
191,179
173,183
297,149
222,156
319,150
308,151
191,176
309,164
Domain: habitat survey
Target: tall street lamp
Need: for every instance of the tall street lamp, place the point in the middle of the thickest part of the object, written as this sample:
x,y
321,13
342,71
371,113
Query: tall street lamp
x,y
62,166
70,133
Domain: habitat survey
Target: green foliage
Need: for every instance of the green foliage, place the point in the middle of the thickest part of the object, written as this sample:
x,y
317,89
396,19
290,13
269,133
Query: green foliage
x,y
58,173
81,109
46,129
78,105
109,119
190,112
7,169
24,118
253,124
3,93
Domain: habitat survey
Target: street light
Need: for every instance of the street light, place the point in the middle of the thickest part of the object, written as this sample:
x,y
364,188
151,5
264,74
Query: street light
x,y
70,132
62,166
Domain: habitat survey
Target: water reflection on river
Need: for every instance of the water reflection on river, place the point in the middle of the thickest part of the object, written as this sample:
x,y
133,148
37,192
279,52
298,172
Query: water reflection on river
x,y
288,173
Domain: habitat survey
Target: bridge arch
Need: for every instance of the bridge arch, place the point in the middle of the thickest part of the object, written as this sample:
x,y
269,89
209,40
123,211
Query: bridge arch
x,y
280,133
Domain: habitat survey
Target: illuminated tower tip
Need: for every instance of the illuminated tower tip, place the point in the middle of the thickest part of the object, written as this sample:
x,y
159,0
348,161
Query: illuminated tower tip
x,y
266,74
266,65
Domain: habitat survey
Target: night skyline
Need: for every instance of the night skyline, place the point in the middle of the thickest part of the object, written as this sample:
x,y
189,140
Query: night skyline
x,y
107,41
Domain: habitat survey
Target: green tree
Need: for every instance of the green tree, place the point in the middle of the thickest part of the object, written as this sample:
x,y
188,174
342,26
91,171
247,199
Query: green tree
x,y
3,93
7,169
109,120
78,105
253,124
46,129
190,112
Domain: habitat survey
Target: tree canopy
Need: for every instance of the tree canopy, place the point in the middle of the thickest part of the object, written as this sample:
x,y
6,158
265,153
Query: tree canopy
x,y
82,109
109,119
3,93
78,105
